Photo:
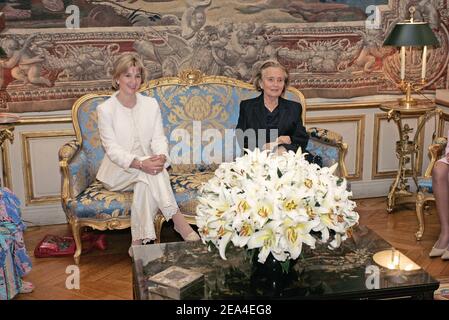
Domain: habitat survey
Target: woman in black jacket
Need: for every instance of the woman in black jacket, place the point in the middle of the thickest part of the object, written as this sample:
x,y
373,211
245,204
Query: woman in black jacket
x,y
270,122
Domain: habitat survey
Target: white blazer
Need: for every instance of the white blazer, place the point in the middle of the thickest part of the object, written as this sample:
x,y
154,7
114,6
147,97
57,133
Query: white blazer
x,y
115,123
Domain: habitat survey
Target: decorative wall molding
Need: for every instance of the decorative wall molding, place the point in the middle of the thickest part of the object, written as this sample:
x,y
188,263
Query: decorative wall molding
x,y
26,137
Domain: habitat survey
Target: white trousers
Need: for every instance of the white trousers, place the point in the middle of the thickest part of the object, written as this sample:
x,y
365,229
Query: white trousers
x,y
150,194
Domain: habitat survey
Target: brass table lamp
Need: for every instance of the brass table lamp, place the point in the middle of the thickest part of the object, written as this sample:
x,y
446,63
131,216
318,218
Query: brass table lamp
x,y
411,34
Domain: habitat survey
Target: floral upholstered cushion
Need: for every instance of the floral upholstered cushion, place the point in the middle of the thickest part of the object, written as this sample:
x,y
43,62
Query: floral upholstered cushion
x,y
84,165
96,202
209,113
328,152
425,185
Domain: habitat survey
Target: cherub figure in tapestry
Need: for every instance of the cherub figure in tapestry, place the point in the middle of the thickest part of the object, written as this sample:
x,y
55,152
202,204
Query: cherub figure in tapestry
x,y
25,65
371,54
194,18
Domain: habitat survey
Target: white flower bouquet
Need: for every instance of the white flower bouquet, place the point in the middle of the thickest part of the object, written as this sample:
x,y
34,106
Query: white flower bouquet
x,y
273,203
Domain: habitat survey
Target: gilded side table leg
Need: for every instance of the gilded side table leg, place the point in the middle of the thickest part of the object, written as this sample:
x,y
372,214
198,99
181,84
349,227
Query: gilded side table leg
x,y
419,214
394,187
391,196
395,116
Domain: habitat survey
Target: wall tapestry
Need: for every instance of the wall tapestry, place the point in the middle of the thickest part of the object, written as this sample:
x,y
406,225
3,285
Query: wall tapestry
x,y
330,46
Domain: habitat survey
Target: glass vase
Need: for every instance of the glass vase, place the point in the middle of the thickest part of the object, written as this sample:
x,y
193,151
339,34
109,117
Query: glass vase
x,y
273,277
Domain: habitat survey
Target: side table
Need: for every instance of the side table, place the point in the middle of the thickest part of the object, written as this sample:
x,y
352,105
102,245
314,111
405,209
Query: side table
x,y
406,149
7,124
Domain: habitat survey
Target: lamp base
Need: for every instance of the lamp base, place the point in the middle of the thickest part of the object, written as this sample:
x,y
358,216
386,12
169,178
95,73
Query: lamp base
x,y
407,102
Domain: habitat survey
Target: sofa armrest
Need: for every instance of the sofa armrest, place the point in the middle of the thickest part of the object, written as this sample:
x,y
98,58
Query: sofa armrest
x,y
74,170
331,140
435,150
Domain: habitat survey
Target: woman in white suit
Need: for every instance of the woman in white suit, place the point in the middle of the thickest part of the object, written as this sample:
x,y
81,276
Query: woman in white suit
x,y
136,158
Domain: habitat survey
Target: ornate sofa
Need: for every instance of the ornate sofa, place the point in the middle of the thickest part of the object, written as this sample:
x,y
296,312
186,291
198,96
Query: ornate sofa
x,y
425,192
193,102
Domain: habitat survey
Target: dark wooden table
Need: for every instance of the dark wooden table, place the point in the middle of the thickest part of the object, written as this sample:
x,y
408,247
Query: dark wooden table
x,y
344,273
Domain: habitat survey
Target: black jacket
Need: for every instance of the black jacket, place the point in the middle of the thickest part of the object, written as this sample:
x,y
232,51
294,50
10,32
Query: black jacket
x,y
252,116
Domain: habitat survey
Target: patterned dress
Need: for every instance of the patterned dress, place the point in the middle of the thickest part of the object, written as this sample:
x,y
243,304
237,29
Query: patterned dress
x,y
14,261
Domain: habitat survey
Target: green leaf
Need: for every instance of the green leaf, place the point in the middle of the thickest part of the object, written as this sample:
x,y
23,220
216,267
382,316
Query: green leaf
x,y
285,266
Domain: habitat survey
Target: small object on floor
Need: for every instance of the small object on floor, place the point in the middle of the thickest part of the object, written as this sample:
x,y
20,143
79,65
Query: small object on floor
x,y
57,246
96,240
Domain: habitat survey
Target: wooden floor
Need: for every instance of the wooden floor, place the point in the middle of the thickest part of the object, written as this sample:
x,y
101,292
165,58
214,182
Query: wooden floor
x,y
107,274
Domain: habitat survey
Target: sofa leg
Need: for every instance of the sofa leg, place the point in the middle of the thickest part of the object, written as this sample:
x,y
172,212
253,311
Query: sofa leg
x,y
419,214
76,231
158,221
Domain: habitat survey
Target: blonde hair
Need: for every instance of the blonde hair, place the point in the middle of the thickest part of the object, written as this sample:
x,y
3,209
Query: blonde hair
x,y
121,65
270,64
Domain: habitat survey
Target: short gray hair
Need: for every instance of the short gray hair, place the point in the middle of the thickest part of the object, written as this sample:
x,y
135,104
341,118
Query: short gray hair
x,y
270,64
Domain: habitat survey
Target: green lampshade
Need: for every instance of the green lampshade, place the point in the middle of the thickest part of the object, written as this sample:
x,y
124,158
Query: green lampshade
x,y
411,34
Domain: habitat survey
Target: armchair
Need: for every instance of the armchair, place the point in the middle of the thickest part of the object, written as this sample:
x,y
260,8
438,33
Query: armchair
x,y
425,192
187,102
84,200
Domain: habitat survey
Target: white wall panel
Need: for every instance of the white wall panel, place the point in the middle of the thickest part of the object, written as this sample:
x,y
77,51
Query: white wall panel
x,y
41,164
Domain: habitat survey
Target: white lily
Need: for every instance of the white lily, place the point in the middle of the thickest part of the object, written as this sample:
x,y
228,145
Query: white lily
x,y
273,203
265,239
222,244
